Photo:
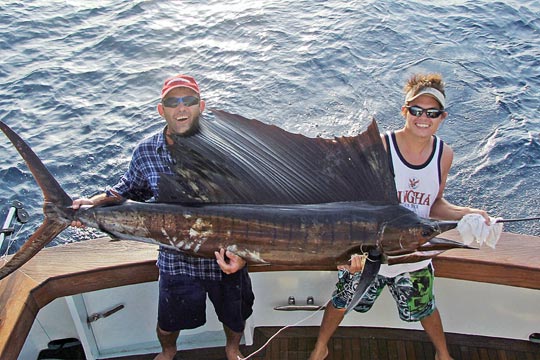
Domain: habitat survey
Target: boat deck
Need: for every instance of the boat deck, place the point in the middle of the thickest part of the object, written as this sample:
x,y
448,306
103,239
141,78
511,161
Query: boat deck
x,y
100,264
368,343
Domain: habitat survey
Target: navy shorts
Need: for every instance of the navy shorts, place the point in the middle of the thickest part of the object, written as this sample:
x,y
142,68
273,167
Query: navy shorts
x,y
182,301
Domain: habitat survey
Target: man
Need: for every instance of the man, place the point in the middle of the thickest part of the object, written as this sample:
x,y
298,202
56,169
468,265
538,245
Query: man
x,y
184,281
420,162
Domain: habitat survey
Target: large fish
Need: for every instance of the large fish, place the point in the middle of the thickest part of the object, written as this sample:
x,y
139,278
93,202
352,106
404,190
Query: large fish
x,y
268,195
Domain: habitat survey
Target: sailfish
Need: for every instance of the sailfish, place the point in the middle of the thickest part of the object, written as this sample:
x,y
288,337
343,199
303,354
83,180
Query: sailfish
x,y
261,192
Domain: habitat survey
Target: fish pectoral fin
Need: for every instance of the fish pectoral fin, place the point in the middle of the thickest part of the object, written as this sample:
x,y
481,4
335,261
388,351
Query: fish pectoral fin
x,y
369,273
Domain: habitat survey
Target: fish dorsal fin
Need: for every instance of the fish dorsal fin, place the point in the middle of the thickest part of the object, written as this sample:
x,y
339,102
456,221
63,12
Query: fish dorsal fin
x,y
232,159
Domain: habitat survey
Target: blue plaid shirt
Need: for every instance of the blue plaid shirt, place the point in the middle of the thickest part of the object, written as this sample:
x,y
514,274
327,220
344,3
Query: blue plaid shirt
x,y
140,183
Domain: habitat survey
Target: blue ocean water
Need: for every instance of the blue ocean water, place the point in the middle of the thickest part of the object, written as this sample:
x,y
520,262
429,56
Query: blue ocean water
x,y
80,80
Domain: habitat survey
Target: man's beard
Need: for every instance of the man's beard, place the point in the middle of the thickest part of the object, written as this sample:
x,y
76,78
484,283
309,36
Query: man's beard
x,y
193,129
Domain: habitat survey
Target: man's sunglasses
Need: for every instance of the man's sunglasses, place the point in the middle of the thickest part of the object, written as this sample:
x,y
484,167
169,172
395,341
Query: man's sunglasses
x,y
172,102
430,113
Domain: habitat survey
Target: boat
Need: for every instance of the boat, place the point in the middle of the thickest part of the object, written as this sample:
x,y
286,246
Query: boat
x,y
97,299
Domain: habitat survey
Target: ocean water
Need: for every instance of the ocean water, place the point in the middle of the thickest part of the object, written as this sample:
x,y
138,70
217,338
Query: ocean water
x,y
80,80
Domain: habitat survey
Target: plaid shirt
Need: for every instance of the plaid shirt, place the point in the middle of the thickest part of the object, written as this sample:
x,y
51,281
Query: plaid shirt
x,y
140,183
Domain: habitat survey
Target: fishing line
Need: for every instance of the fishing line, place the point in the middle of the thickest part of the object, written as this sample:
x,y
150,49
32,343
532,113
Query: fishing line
x,y
11,240
516,220
288,326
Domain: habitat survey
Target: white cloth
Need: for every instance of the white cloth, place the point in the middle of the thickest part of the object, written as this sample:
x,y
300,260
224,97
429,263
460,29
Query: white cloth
x,y
472,227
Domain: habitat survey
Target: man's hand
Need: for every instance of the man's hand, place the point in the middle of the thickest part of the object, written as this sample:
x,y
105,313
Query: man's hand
x,y
76,205
234,264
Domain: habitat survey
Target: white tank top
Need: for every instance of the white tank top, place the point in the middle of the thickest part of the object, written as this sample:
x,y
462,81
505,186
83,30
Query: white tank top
x,y
417,187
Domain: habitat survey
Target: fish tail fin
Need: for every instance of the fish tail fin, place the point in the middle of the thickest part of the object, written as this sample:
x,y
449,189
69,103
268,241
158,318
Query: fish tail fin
x,y
56,209
52,191
46,232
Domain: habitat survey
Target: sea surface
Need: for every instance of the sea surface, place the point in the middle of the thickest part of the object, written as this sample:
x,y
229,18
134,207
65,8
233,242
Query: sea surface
x,y
80,80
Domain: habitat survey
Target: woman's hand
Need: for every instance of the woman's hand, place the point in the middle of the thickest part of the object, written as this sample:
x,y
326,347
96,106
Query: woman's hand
x,y
357,264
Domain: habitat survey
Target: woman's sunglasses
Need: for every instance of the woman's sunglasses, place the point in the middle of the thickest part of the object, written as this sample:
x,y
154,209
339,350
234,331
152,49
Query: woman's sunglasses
x,y
172,102
430,113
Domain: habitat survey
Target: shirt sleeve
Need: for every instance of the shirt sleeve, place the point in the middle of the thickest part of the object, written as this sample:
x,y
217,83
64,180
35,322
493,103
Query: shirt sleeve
x,y
133,184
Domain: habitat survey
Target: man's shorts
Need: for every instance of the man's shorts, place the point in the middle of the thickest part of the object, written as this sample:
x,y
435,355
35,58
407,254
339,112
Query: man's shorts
x,y
412,291
182,301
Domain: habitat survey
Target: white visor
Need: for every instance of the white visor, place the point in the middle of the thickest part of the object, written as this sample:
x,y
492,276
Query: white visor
x,y
436,94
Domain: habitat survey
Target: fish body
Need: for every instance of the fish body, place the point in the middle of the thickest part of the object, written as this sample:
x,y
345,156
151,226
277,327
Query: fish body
x,y
321,234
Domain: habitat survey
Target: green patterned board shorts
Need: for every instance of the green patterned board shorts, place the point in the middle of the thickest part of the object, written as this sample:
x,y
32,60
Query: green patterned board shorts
x,y
412,291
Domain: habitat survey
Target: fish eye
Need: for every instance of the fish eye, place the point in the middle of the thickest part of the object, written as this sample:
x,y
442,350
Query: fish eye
x,y
427,231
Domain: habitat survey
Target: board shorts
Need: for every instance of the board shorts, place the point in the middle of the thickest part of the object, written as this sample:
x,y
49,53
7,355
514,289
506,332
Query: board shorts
x,y
412,291
182,301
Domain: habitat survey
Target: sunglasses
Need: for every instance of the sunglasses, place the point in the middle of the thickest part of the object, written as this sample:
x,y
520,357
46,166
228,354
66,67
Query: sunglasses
x,y
172,102
430,113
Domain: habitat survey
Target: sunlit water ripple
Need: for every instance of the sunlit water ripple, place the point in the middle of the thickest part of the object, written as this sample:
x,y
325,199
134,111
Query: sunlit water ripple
x,y
79,80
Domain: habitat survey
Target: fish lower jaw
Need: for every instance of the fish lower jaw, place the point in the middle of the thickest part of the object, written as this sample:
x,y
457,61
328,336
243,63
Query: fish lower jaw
x,y
123,236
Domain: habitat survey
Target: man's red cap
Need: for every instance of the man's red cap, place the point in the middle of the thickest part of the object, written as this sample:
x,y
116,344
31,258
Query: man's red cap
x,y
179,81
